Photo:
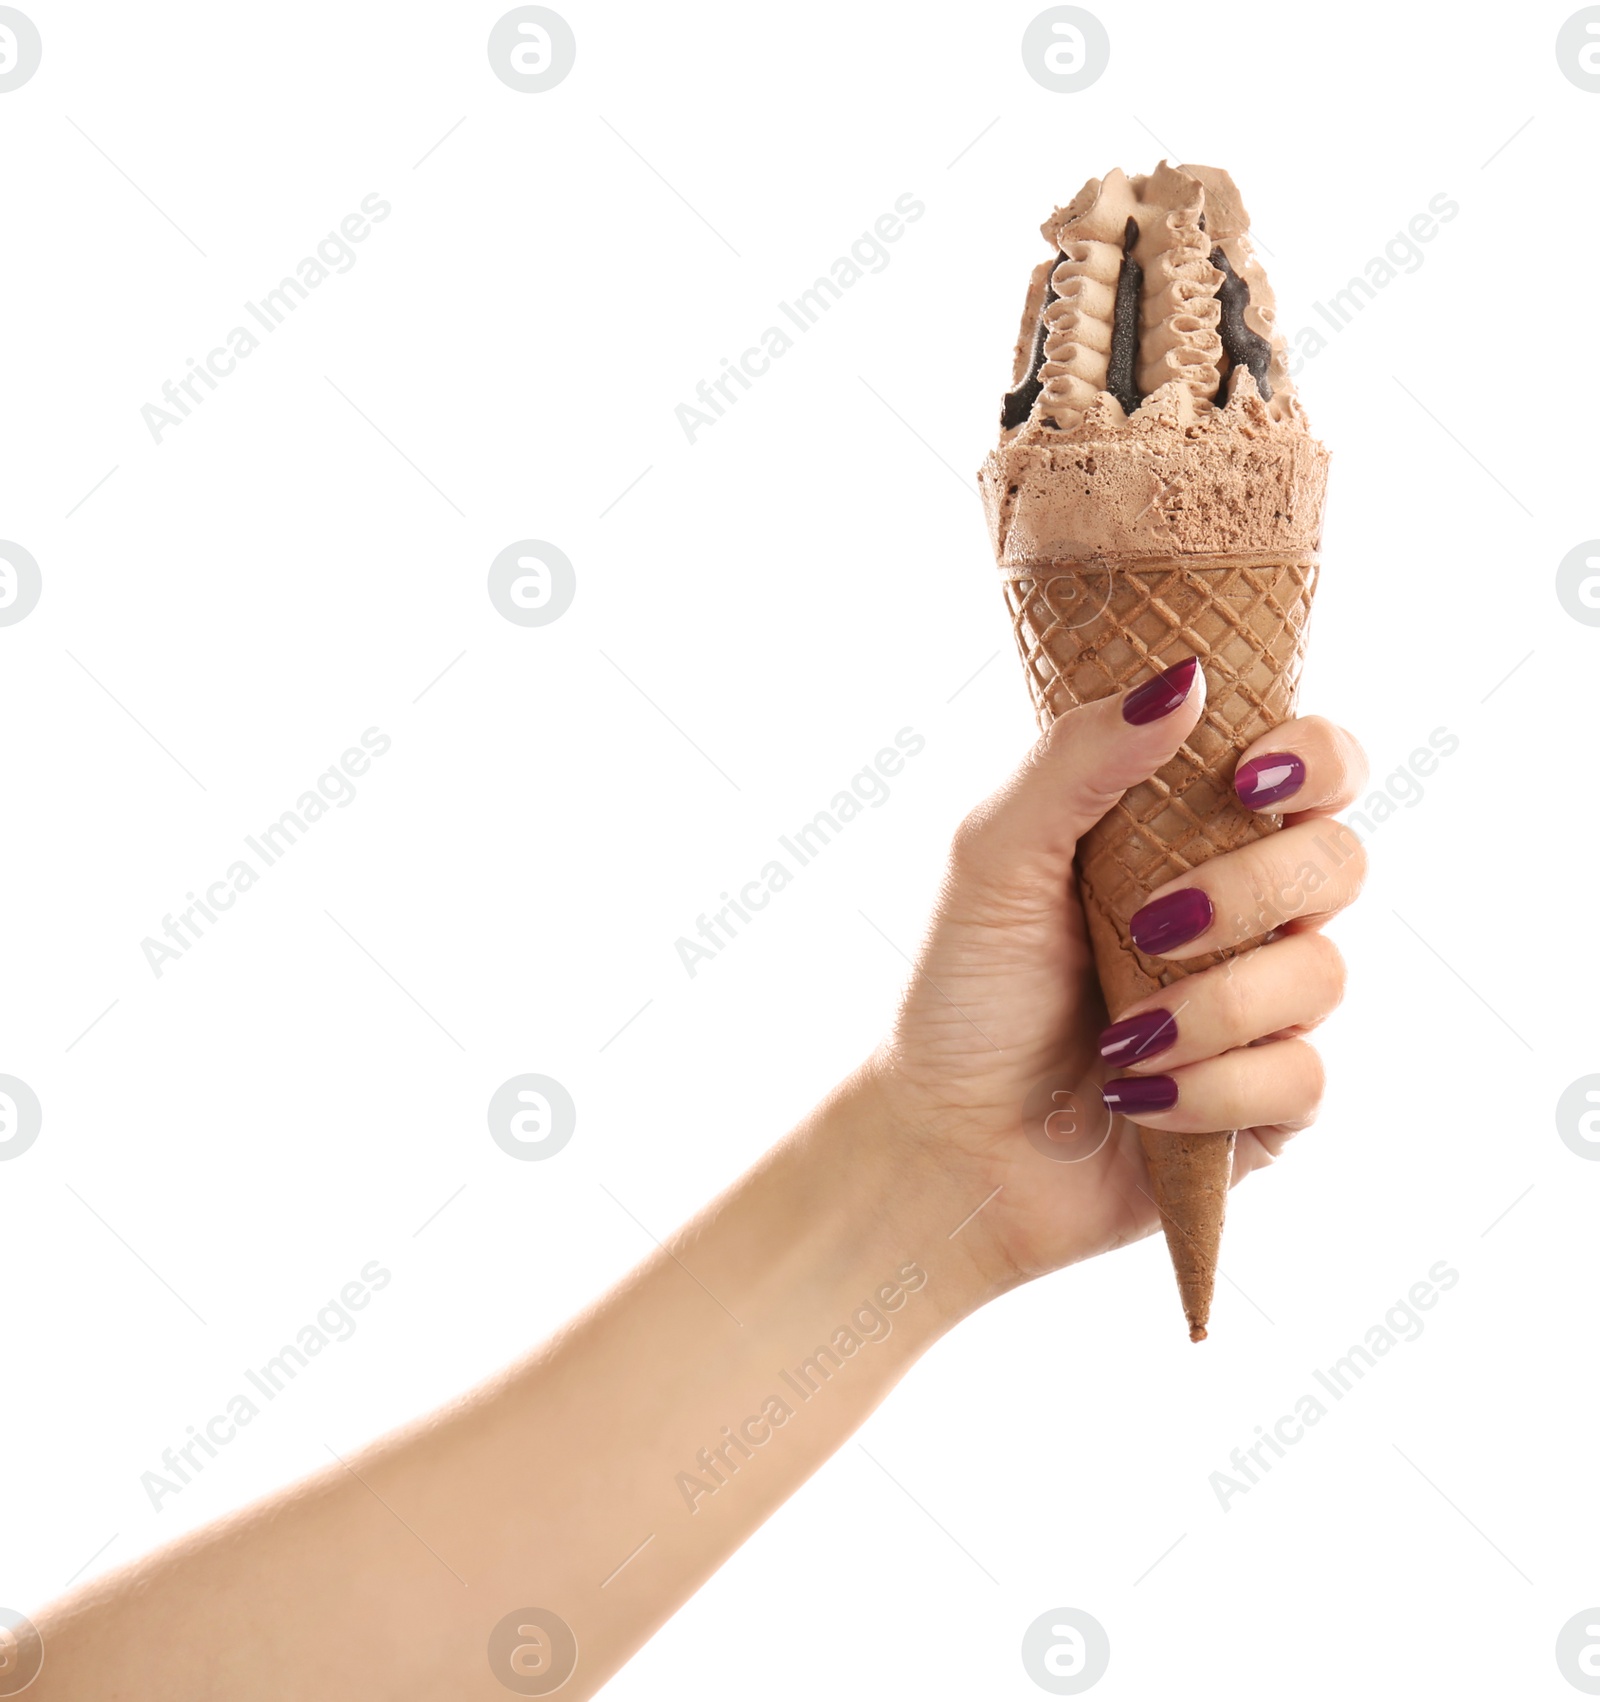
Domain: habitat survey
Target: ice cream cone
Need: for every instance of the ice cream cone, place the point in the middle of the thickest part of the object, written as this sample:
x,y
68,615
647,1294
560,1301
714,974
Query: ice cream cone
x,y
1129,539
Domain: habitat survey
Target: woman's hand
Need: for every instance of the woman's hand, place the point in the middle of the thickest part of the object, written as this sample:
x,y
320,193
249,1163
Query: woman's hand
x,y
996,1064
770,1326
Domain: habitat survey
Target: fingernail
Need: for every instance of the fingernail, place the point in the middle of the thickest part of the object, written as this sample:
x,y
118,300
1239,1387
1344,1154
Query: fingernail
x,y
1266,780
1171,921
1132,1094
1161,695
1136,1037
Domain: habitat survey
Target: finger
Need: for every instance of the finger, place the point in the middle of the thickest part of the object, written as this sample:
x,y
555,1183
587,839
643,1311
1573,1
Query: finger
x,y
1256,1148
1304,873
1078,770
1307,765
1277,1085
1279,989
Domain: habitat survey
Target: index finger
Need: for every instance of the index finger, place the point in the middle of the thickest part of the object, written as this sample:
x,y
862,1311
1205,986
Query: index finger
x,y
1306,767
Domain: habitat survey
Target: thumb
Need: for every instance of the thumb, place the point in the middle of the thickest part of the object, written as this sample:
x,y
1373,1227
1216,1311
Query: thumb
x,y
1078,770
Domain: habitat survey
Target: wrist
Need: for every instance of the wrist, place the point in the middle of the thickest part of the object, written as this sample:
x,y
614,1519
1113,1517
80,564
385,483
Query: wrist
x,y
900,1199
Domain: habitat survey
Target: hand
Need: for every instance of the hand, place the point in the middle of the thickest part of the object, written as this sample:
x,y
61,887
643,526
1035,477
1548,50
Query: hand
x,y
1004,1010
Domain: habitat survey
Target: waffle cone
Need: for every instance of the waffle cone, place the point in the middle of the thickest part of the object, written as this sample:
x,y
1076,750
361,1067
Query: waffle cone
x,y
1092,619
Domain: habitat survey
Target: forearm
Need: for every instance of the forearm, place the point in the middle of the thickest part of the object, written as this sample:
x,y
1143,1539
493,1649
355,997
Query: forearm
x,y
603,1479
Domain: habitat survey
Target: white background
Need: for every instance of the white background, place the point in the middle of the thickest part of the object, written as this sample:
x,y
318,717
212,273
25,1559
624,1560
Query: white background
x,y
808,577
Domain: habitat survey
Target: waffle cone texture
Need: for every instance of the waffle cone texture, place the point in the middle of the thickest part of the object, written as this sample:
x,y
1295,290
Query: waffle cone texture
x,y
1122,552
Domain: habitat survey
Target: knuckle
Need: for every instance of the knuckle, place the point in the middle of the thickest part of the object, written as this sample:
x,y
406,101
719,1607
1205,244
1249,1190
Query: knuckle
x,y
1038,755
968,841
1315,1075
1320,732
1354,756
1277,881
1334,870
1341,780
1338,753
1320,744
1263,890
1355,867
1330,965
1232,1002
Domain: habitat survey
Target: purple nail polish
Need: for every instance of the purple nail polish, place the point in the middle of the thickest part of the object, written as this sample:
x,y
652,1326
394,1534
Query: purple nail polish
x,y
1266,780
1132,1094
1161,695
1171,921
1137,1037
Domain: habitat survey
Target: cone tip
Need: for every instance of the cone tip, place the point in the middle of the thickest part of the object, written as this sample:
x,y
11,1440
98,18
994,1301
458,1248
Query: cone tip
x,y
1197,1332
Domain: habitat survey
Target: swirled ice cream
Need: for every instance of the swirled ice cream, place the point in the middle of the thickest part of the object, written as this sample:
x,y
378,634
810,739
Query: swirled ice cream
x,y
1151,326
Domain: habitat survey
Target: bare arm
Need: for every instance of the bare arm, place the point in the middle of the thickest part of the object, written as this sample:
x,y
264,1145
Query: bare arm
x,y
677,1414
543,1527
